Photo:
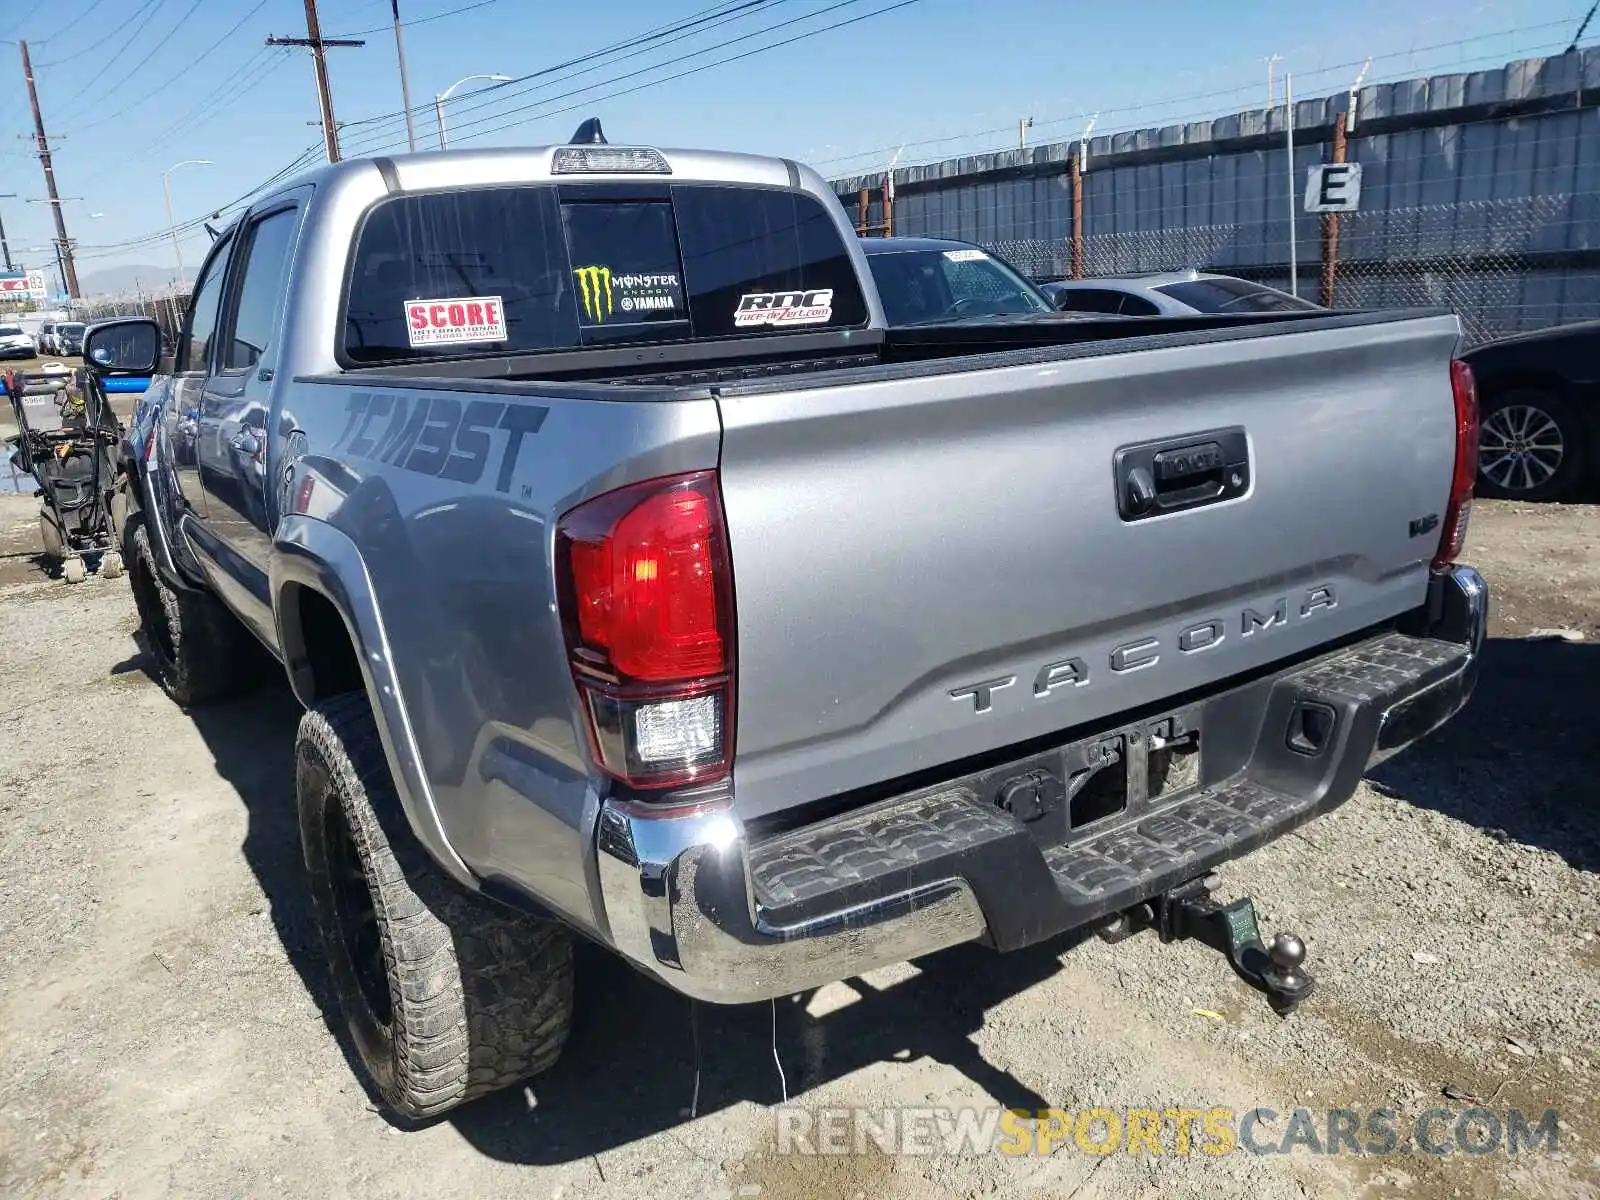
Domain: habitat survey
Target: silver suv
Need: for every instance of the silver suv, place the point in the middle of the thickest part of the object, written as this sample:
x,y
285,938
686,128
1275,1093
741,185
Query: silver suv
x,y
1171,293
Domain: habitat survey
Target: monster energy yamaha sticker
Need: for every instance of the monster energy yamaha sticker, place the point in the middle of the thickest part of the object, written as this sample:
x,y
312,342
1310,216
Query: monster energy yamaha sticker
x,y
456,321
607,296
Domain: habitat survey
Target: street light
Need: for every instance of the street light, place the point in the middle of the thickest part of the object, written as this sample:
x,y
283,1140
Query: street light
x,y
172,222
438,101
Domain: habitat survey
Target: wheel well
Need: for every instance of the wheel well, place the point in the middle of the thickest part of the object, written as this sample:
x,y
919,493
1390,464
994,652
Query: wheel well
x,y
319,649
1533,380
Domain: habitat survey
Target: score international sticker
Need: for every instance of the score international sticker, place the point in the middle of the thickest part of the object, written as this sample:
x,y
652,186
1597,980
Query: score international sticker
x,y
457,321
965,255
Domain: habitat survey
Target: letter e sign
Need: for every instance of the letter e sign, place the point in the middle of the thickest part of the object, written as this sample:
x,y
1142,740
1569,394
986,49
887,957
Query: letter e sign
x,y
1333,187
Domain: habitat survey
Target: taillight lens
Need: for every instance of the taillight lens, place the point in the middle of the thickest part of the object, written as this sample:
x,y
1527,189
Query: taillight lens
x,y
1453,535
646,595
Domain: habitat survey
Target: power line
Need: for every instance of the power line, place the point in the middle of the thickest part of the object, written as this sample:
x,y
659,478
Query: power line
x,y
423,20
502,112
305,159
23,19
715,15
74,22
148,6
1587,17
732,58
165,86
133,71
1144,106
236,85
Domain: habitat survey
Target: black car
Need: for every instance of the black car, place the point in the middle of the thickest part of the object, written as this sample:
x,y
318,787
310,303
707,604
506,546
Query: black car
x,y
933,281
1538,412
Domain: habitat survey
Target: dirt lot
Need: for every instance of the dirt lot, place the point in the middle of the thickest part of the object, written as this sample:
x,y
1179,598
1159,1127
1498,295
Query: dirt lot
x,y
165,1025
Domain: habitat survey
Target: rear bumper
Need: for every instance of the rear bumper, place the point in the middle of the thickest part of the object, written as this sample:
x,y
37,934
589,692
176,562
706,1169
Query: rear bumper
x,y
725,917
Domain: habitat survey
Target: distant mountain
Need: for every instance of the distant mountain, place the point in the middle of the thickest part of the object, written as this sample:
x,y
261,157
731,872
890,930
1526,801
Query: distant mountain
x,y
120,281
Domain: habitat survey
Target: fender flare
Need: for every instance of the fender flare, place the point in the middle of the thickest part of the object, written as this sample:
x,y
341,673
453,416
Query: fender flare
x,y
315,555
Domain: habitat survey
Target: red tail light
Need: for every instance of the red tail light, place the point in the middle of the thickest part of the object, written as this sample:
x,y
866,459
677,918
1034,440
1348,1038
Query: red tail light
x,y
1453,536
646,596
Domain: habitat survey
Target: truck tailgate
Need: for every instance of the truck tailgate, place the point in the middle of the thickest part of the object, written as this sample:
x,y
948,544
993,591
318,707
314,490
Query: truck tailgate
x,y
930,561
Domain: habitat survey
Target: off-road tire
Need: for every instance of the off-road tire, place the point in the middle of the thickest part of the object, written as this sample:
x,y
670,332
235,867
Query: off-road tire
x,y
202,653
478,996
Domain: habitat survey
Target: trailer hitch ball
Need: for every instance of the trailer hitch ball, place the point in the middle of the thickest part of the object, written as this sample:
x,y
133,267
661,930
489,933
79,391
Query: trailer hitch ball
x,y
1190,911
1286,975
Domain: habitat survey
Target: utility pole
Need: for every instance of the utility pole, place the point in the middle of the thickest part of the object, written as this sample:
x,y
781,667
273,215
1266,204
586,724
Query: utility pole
x,y
316,43
405,84
5,245
69,269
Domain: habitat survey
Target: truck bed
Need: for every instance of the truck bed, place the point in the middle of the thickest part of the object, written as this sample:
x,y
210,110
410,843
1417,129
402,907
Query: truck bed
x,y
929,559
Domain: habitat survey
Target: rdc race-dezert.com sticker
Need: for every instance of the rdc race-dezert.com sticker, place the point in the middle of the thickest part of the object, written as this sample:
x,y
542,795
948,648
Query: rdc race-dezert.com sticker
x,y
458,321
783,309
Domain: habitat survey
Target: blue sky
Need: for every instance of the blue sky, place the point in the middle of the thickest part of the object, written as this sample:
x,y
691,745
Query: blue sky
x,y
169,81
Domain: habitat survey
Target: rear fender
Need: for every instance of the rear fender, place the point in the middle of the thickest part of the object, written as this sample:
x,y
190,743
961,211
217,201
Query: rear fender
x,y
313,554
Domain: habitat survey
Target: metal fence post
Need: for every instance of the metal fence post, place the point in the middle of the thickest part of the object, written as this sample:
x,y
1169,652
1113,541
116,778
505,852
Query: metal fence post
x,y
1330,224
1075,178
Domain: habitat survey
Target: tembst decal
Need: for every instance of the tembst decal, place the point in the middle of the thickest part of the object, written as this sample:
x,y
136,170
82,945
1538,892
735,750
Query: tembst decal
x,y
439,435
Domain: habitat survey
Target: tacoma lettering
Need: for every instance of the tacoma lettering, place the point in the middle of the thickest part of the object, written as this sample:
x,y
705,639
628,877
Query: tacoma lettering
x,y
1140,654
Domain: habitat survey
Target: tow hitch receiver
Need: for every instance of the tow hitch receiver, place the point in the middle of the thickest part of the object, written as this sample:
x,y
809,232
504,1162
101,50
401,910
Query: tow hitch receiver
x,y
1190,912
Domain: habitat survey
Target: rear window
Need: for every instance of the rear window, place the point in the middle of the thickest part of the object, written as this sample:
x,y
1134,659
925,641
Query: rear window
x,y
536,269
1233,295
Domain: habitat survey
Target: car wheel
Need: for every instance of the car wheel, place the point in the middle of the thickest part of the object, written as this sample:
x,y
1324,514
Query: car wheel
x,y
202,653
1530,446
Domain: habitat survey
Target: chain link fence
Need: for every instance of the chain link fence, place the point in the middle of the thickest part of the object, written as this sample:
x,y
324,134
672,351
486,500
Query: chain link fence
x,y
1486,260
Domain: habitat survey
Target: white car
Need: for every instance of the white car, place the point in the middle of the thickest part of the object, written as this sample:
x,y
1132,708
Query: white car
x,y
47,338
15,342
1170,294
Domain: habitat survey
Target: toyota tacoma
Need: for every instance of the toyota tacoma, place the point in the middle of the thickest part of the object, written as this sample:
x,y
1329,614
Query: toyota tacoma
x,y
640,583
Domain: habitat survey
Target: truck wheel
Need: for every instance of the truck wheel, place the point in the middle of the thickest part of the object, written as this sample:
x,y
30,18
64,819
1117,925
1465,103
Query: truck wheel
x,y
202,653
1530,446
447,996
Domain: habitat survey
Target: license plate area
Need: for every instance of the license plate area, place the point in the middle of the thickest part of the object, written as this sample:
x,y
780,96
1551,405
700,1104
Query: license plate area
x,y
1082,788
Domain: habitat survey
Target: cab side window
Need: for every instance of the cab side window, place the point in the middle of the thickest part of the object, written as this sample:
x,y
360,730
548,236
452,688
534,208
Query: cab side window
x,y
194,352
266,272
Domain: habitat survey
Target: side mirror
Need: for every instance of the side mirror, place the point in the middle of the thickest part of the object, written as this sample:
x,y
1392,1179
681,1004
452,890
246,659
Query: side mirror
x,y
1062,301
128,346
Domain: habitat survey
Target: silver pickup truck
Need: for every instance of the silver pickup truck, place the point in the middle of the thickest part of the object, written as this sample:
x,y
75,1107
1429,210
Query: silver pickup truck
x,y
639,584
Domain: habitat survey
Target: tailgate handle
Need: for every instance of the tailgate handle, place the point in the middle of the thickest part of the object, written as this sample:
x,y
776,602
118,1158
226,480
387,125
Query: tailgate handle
x,y
1179,473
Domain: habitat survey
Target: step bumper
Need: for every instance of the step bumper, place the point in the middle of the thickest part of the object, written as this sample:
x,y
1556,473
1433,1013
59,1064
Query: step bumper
x,y
721,916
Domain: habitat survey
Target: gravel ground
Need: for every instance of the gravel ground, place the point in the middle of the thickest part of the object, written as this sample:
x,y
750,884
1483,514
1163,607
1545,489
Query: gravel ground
x,y
165,1025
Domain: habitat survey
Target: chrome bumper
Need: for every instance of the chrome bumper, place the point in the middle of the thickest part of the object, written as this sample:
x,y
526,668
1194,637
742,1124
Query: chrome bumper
x,y
1459,612
680,902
